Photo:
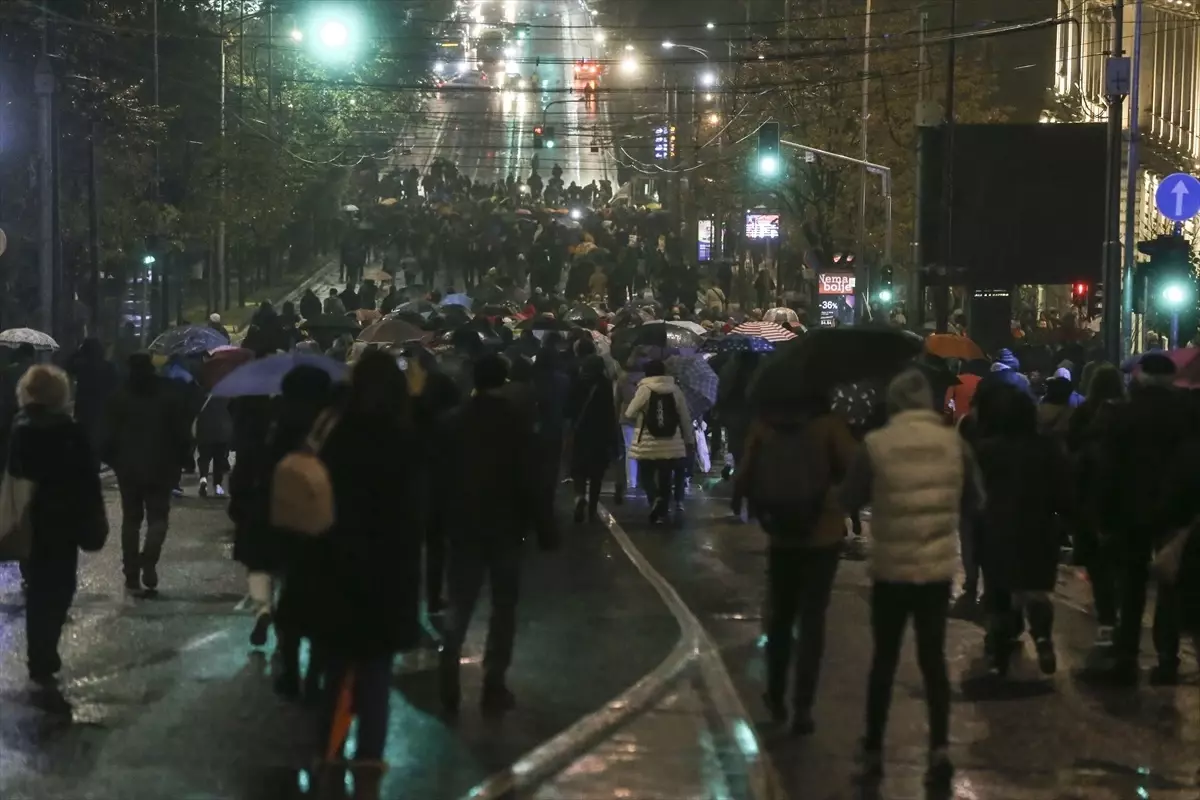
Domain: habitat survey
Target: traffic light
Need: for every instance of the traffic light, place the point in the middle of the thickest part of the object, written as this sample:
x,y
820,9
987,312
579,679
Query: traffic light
x,y
538,144
550,136
1167,280
769,163
1079,294
887,292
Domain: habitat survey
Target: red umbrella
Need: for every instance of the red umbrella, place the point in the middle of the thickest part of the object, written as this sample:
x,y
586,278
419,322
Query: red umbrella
x,y
223,361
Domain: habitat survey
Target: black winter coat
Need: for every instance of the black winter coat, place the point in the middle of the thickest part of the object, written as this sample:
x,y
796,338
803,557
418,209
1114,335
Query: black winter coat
x,y
147,435
370,561
1027,484
67,509
255,545
592,414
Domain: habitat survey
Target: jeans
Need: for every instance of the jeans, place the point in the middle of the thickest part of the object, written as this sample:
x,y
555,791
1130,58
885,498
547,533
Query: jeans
x,y
153,504
499,563
1134,577
48,596
891,605
799,582
215,454
660,477
372,685
631,464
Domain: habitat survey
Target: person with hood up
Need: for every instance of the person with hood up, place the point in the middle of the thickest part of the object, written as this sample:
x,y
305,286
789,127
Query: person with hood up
x,y
662,439
1027,481
595,436
1055,409
147,441
793,460
96,379
310,305
922,482
1156,428
214,434
491,482
66,512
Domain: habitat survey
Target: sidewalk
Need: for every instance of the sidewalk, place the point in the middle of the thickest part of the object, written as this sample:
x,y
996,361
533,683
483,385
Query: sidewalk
x,y
169,701
1027,738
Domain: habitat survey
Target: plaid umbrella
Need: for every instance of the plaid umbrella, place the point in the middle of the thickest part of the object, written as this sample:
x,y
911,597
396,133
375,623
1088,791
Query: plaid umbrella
x,y
697,380
737,343
767,330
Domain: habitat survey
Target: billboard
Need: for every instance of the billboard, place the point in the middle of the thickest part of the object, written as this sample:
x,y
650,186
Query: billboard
x,y
835,283
761,225
664,142
704,240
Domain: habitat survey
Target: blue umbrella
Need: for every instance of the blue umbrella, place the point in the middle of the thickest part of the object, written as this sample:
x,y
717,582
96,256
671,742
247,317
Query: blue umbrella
x,y
264,376
188,340
737,343
697,380
458,300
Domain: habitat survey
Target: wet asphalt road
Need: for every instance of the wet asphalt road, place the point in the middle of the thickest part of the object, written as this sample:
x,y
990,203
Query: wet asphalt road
x,y
1031,738
168,701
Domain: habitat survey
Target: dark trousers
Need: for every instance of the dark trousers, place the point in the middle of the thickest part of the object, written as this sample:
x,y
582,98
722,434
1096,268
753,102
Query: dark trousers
x,y
499,563
435,556
971,566
659,476
216,456
371,688
1008,613
891,605
799,581
587,483
51,588
1131,591
143,502
1102,575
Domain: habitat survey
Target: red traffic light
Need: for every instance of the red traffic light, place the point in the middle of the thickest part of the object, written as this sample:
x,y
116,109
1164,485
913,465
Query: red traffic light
x,y
538,130
1081,289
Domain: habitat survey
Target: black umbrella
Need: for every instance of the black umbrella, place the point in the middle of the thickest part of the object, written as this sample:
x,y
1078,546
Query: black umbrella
x,y
188,340
661,335
811,366
544,323
584,315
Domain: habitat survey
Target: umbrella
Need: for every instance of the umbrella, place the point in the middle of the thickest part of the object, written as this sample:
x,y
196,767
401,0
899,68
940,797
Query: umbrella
x,y
544,323
13,337
393,331
767,330
812,366
331,322
498,309
188,340
697,381
524,211
782,316
737,343
584,315
422,307
691,327
221,362
951,345
669,337
457,300
264,377
420,320
225,348
603,343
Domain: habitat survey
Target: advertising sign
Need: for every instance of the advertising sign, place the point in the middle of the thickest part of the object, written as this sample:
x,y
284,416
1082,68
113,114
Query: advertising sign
x,y
835,283
664,142
704,240
762,226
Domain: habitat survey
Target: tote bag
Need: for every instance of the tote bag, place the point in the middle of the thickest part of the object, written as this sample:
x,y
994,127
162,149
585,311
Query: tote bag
x,y
16,528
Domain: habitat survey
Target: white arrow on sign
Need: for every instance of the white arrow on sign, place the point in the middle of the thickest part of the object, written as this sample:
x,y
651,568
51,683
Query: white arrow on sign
x,y
1180,191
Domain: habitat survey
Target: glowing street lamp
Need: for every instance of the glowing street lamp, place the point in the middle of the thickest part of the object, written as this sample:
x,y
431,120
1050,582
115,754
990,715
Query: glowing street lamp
x,y
599,37
710,25
708,79
334,34
297,35
628,48
629,65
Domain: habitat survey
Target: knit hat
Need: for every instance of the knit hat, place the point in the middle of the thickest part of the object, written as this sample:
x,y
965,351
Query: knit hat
x,y
909,390
1006,357
1062,372
214,318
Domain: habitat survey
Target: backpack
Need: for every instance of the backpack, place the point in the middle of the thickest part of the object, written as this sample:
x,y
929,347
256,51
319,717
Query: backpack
x,y
661,417
789,478
301,489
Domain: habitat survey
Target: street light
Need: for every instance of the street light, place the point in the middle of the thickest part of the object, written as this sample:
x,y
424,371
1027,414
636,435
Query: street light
x,y
669,45
297,35
710,25
629,48
629,65
334,34
599,37
439,67
708,79
714,118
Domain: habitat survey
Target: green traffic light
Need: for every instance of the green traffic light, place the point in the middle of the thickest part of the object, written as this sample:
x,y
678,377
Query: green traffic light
x,y
885,296
550,143
768,165
1174,295
148,260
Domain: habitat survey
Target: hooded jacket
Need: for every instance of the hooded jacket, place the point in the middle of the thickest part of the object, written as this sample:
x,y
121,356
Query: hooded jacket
x,y
646,446
147,436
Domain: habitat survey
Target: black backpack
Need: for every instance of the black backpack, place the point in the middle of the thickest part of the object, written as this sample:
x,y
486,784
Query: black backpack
x,y
661,417
789,478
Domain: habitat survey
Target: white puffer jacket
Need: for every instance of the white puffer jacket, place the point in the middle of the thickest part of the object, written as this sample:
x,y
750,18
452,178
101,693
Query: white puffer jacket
x,y
646,446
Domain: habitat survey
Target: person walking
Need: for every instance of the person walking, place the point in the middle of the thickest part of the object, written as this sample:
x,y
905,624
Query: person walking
x,y
96,380
494,496
333,304
310,305
662,439
595,435
214,434
66,514
921,481
792,461
1026,478
147,441
370,558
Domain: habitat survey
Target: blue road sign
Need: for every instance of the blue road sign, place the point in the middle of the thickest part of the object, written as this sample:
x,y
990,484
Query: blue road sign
x,y
1178,197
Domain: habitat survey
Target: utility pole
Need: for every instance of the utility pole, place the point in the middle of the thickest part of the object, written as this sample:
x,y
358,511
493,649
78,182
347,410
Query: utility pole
x,y
93,299
216,270
862,268
43,87
1131,188
164,262
1116,73
942,296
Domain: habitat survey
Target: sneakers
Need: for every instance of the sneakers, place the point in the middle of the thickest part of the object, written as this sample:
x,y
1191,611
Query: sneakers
x,y
658,512
1104,637
177,492
150,577
220,490
203,490
258,636
1164,674
1046,658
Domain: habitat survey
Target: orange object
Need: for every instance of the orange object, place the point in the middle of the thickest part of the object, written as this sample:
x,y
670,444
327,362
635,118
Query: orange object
x,y
950,345
343,716
962,395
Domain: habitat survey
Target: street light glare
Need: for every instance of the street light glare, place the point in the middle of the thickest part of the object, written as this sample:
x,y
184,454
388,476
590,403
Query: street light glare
x,y
708,79
629,48
768,165
599,37
629,65
667,45
714,118
297,35
1174,295
439,67
334,33
885,296
711,25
